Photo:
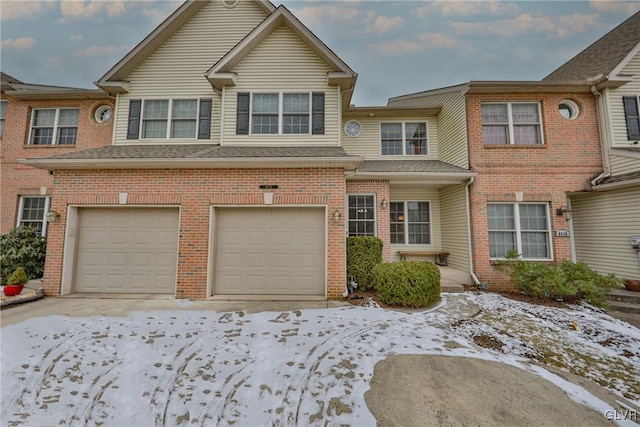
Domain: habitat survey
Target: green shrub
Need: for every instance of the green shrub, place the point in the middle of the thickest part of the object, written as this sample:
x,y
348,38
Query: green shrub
x,y
407,283
22,247
564,280
363,253
18,277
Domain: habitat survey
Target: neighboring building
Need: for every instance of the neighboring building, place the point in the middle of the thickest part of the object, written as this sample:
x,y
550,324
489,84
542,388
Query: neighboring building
x,y
529,154
238,167
38,120
607,217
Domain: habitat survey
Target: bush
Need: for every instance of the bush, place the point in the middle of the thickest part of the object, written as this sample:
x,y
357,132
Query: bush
x,y
562,281
363,253
18,277
408,283
22,247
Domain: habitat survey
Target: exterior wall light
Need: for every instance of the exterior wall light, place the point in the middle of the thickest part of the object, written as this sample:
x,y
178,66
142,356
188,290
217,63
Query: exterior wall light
x,y
564,211
384,204
336,216
53,215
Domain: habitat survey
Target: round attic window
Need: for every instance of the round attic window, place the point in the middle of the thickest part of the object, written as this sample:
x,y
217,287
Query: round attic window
x,y
103,113
230,4
568,109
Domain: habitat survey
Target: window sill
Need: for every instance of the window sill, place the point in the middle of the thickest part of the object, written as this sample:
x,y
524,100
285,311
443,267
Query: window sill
x,y
49,146
516,146
497,261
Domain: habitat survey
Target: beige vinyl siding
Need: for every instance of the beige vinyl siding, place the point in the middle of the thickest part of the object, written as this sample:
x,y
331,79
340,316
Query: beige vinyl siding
x,y
177,68
455,237
367,144
616,114
416,193
621,165
282,63
603,224
452,124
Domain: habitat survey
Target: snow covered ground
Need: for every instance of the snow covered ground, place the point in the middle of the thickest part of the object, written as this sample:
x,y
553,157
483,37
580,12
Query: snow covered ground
x,y
306,367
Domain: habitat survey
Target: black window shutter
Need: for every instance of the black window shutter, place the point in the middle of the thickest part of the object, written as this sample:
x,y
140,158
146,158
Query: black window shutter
x,y
133,129
242,119
317,113
204,122
631,116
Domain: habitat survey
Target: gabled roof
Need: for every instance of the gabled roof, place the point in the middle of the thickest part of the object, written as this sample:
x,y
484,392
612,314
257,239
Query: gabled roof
x,y
221,73
17,89
606,56
112,80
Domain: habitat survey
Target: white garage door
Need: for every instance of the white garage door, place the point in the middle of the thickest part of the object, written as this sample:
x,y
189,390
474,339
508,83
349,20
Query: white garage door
x,y
270,251
127,250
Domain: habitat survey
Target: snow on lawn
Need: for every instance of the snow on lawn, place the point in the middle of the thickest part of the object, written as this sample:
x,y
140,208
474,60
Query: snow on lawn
x,y
303,367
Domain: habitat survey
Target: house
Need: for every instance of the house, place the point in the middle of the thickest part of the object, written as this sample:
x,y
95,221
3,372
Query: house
x,y
237,167
606,216
39,120
531,144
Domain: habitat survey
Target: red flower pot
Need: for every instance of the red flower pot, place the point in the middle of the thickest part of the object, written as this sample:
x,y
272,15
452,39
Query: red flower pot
x,y
12,290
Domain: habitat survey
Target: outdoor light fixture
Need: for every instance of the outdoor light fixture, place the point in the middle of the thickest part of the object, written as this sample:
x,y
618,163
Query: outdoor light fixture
x,y
383,204
564,211
53,215
336,216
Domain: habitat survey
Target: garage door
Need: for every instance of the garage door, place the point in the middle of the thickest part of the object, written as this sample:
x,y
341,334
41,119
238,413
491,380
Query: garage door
x,y
127,250
270,251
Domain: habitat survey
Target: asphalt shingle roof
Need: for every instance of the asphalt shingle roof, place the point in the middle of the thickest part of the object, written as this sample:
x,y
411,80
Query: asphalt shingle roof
x,y
436,166
603,55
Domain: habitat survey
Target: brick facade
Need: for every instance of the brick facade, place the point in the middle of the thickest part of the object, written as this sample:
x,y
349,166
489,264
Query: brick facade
x,y
566,162
21,180
195,191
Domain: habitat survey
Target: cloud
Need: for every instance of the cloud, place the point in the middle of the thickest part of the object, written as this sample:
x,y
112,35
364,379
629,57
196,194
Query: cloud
x,y
321,14
12,10
76,37
466,8
159,11
438,41
561,25
425,41
615,6
85,9
21,44
95,50
383,24
524,54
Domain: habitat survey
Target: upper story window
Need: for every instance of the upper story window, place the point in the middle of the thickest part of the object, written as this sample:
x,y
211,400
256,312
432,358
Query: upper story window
x,y
54,126
524,227
280,113
410,223
403,138
3,115
169,119
632,116
511,123
362,215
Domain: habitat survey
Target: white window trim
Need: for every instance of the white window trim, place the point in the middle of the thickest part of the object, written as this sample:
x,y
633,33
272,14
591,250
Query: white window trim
x,y
516,214
375,211
169,118
406,223
280,112
510,117
47,204
404,137
54,138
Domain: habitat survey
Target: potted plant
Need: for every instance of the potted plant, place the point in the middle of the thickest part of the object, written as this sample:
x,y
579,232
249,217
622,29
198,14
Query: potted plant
x,y
16,282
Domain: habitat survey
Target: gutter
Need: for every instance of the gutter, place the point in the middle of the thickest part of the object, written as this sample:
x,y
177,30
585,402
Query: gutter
x,y
471,273
604,137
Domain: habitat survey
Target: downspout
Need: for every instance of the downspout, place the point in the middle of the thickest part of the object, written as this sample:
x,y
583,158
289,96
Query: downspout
x,y
466,191
603,130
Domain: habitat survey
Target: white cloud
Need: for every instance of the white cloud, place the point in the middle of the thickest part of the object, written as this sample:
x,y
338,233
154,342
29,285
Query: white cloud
x,y
396,47
84,9
466,8
21,44
384,24
11,10
76,37
321,14
561,25
438,41
524,54
159,11
615,6
95,50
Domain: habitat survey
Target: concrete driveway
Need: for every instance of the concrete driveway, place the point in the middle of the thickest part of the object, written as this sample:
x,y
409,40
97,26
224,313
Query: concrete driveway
x,y
169,362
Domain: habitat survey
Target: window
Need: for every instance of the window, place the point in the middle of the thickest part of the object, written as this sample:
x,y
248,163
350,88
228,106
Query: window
x,y
410,223
632,116
524,227
3,115
169,119
405,138
362,220
51,126
280,113
511,123
31,213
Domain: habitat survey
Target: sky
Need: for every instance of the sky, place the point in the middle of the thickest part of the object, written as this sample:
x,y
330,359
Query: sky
x,y
426,45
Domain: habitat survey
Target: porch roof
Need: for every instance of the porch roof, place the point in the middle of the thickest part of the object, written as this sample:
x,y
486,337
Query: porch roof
x,y
433,171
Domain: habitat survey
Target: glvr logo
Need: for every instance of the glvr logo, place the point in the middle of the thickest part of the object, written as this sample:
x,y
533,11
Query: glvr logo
x,y
624,414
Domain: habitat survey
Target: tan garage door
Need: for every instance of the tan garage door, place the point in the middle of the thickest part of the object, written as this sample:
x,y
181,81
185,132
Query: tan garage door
x,y
270,251
127,250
